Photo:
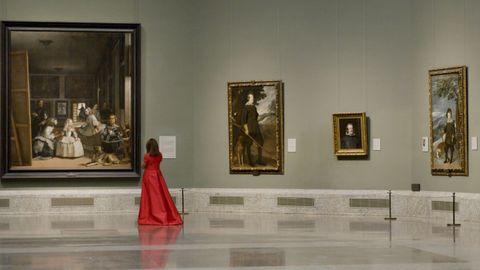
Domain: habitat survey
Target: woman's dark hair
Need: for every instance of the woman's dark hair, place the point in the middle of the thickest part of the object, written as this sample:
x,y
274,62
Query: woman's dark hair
x,y
152,147
449,111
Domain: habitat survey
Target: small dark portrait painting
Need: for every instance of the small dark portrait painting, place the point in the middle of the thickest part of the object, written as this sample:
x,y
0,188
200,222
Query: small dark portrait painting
x,y
350,133
350,138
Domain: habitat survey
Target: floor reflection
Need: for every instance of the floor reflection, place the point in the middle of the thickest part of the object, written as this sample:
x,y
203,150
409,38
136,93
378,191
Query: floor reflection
x,y
303,225
257,257
360,226
74,260
80,224
227,223
236,241
150,237
4,226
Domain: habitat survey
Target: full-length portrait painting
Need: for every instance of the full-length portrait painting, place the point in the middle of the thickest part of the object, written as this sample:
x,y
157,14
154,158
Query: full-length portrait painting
x,y
255,121
69,96
448,121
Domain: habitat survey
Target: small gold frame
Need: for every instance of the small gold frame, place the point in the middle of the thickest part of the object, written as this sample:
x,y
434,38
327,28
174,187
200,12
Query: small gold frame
x,y
350,144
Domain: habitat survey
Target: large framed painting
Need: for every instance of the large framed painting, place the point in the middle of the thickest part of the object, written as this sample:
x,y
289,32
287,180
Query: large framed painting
x,y
350,136
70,100
448,121
255,124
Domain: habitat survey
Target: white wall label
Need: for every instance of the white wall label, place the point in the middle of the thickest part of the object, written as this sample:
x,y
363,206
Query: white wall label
x,y
474,143
292,145
425,145
168,146
376,144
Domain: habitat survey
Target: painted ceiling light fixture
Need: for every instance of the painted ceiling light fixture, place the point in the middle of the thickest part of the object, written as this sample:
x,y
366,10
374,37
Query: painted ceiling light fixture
x,y
45,42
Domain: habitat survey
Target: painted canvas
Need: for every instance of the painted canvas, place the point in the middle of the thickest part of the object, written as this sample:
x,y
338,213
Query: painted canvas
x,y
64,99
350,134
448,121
255,121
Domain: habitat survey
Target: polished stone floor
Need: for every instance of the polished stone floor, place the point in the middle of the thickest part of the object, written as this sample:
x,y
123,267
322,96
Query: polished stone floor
x,y
245,241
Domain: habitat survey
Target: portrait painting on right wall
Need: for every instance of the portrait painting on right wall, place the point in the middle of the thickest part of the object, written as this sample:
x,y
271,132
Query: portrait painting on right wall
x,y
448,121
350,134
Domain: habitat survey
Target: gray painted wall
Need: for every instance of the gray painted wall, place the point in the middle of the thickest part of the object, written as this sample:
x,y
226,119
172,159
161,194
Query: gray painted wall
x,y
2,11
447,34
334,56
166,70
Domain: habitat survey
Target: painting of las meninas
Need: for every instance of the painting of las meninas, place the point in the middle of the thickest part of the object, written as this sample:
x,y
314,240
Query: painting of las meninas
x,y
69,98
448,121
255,122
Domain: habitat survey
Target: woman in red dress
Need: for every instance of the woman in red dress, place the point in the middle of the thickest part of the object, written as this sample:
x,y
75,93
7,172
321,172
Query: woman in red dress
x,y
156,204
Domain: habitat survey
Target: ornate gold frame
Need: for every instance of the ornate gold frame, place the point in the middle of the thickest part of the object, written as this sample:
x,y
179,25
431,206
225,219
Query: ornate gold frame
x,y
337,134
462,124
279,148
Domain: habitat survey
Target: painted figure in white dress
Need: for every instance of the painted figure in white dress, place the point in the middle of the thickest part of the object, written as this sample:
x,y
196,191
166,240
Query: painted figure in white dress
x,y
70,145
90,131
92,125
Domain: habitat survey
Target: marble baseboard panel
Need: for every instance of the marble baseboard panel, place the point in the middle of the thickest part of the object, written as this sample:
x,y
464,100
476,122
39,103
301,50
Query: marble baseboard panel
x,y
314,202
58,201
335,202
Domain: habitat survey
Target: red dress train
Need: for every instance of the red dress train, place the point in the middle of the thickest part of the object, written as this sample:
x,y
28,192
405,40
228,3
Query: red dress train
x,y
156,204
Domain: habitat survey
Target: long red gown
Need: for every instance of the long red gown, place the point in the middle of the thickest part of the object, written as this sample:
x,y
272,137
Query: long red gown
x,y
156,204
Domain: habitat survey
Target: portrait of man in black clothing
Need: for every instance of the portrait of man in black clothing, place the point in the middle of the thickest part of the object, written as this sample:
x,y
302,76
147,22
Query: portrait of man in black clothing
x,y
255,127
39,118
448,121
252,135
351,134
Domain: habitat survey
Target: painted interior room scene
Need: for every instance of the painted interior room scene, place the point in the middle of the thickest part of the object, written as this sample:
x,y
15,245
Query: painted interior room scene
x,y
69,91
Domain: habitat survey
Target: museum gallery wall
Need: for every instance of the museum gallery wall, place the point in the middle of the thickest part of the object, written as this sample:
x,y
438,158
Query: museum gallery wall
x,y
340,56
332,56
47,93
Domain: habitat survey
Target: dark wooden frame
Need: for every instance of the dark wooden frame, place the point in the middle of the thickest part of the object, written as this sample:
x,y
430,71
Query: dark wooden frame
x,y
127,174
